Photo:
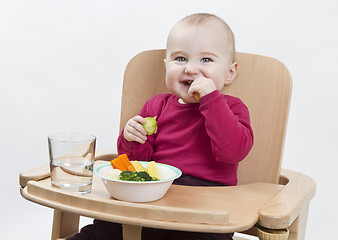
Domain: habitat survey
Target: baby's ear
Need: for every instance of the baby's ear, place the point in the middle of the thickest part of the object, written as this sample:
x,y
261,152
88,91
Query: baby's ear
x,y
231,74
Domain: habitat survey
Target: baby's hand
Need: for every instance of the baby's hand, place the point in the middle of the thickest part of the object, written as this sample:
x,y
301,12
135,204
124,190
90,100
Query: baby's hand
x,y
134,131
202,86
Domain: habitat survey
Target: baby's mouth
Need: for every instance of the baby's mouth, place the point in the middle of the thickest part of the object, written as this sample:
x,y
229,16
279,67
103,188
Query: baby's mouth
x,y
187,82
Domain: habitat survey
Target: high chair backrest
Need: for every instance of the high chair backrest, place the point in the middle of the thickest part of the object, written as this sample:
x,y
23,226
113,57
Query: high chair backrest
x,y
263,84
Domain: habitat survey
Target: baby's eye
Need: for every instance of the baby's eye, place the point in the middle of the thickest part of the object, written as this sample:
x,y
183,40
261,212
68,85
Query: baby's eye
x,y
206,60
180,59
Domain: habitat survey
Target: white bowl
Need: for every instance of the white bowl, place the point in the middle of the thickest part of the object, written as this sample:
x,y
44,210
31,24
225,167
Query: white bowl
x,y
139,191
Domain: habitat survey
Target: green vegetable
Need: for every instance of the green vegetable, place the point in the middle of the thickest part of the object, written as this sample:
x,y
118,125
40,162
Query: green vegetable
x,y
136,176
150,125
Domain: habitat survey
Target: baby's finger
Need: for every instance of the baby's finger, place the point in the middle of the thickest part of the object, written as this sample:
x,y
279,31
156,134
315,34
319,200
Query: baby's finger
x,y
131,134
133,138
139,119
139,128
192,90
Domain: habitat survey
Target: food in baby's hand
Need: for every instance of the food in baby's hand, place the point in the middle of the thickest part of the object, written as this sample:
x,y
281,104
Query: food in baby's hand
x,y
150,125
136,176
122,162
197,96
113,173
152,170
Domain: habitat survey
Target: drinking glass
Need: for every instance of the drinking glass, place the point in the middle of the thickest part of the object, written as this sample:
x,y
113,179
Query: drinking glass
x,y
71,161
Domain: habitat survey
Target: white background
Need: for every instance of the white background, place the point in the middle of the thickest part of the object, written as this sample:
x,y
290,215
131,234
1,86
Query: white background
x,y
61,69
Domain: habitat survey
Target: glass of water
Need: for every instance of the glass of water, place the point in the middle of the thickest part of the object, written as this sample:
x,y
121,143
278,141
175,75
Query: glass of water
x,y
71,161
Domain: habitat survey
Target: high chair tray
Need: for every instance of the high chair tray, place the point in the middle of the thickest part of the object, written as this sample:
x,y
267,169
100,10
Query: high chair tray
x,y
203,209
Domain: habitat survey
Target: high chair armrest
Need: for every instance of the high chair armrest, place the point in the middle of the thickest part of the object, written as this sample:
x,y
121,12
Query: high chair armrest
x,y
35,174
286,205
105,155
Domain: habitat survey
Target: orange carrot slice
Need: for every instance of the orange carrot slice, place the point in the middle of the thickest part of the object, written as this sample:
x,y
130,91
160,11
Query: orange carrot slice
x,y
127,163
122,162
117,163
131,168
113,164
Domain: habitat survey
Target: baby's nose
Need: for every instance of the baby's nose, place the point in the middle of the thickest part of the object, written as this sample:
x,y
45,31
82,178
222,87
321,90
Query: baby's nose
x,y
191,69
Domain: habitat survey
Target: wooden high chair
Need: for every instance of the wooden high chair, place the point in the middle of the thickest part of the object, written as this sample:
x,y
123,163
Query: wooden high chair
x,y
268,200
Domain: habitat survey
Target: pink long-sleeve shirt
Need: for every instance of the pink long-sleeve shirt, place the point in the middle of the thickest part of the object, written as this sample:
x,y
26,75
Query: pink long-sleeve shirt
x,y
205,140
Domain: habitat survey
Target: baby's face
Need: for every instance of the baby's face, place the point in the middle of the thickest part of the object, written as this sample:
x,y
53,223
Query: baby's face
x,y
194,52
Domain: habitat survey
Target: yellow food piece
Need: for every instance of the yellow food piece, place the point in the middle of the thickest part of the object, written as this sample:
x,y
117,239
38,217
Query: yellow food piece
x,y
138,166
152,170
197,95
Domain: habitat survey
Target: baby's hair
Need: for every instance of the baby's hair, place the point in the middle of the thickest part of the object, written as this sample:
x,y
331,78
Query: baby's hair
x,y
200,18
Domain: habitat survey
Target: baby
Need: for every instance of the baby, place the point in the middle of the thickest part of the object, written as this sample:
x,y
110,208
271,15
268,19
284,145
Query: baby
x,y
201,131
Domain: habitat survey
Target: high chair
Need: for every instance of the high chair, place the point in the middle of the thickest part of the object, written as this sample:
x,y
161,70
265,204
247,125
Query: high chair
x,y
269,202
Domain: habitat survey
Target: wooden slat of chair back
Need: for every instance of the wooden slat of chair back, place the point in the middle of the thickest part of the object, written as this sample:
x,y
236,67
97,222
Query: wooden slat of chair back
x,y
263,84
144,77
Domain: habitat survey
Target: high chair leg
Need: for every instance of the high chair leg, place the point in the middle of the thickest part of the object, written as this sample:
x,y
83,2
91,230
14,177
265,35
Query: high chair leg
x,y
64,224
131,232
298,227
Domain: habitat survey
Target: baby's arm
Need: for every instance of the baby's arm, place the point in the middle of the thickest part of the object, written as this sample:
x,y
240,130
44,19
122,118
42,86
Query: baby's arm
x,y
227,123
134,131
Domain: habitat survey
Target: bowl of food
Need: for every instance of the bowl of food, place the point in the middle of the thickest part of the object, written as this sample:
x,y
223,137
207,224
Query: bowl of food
x,y
145,182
